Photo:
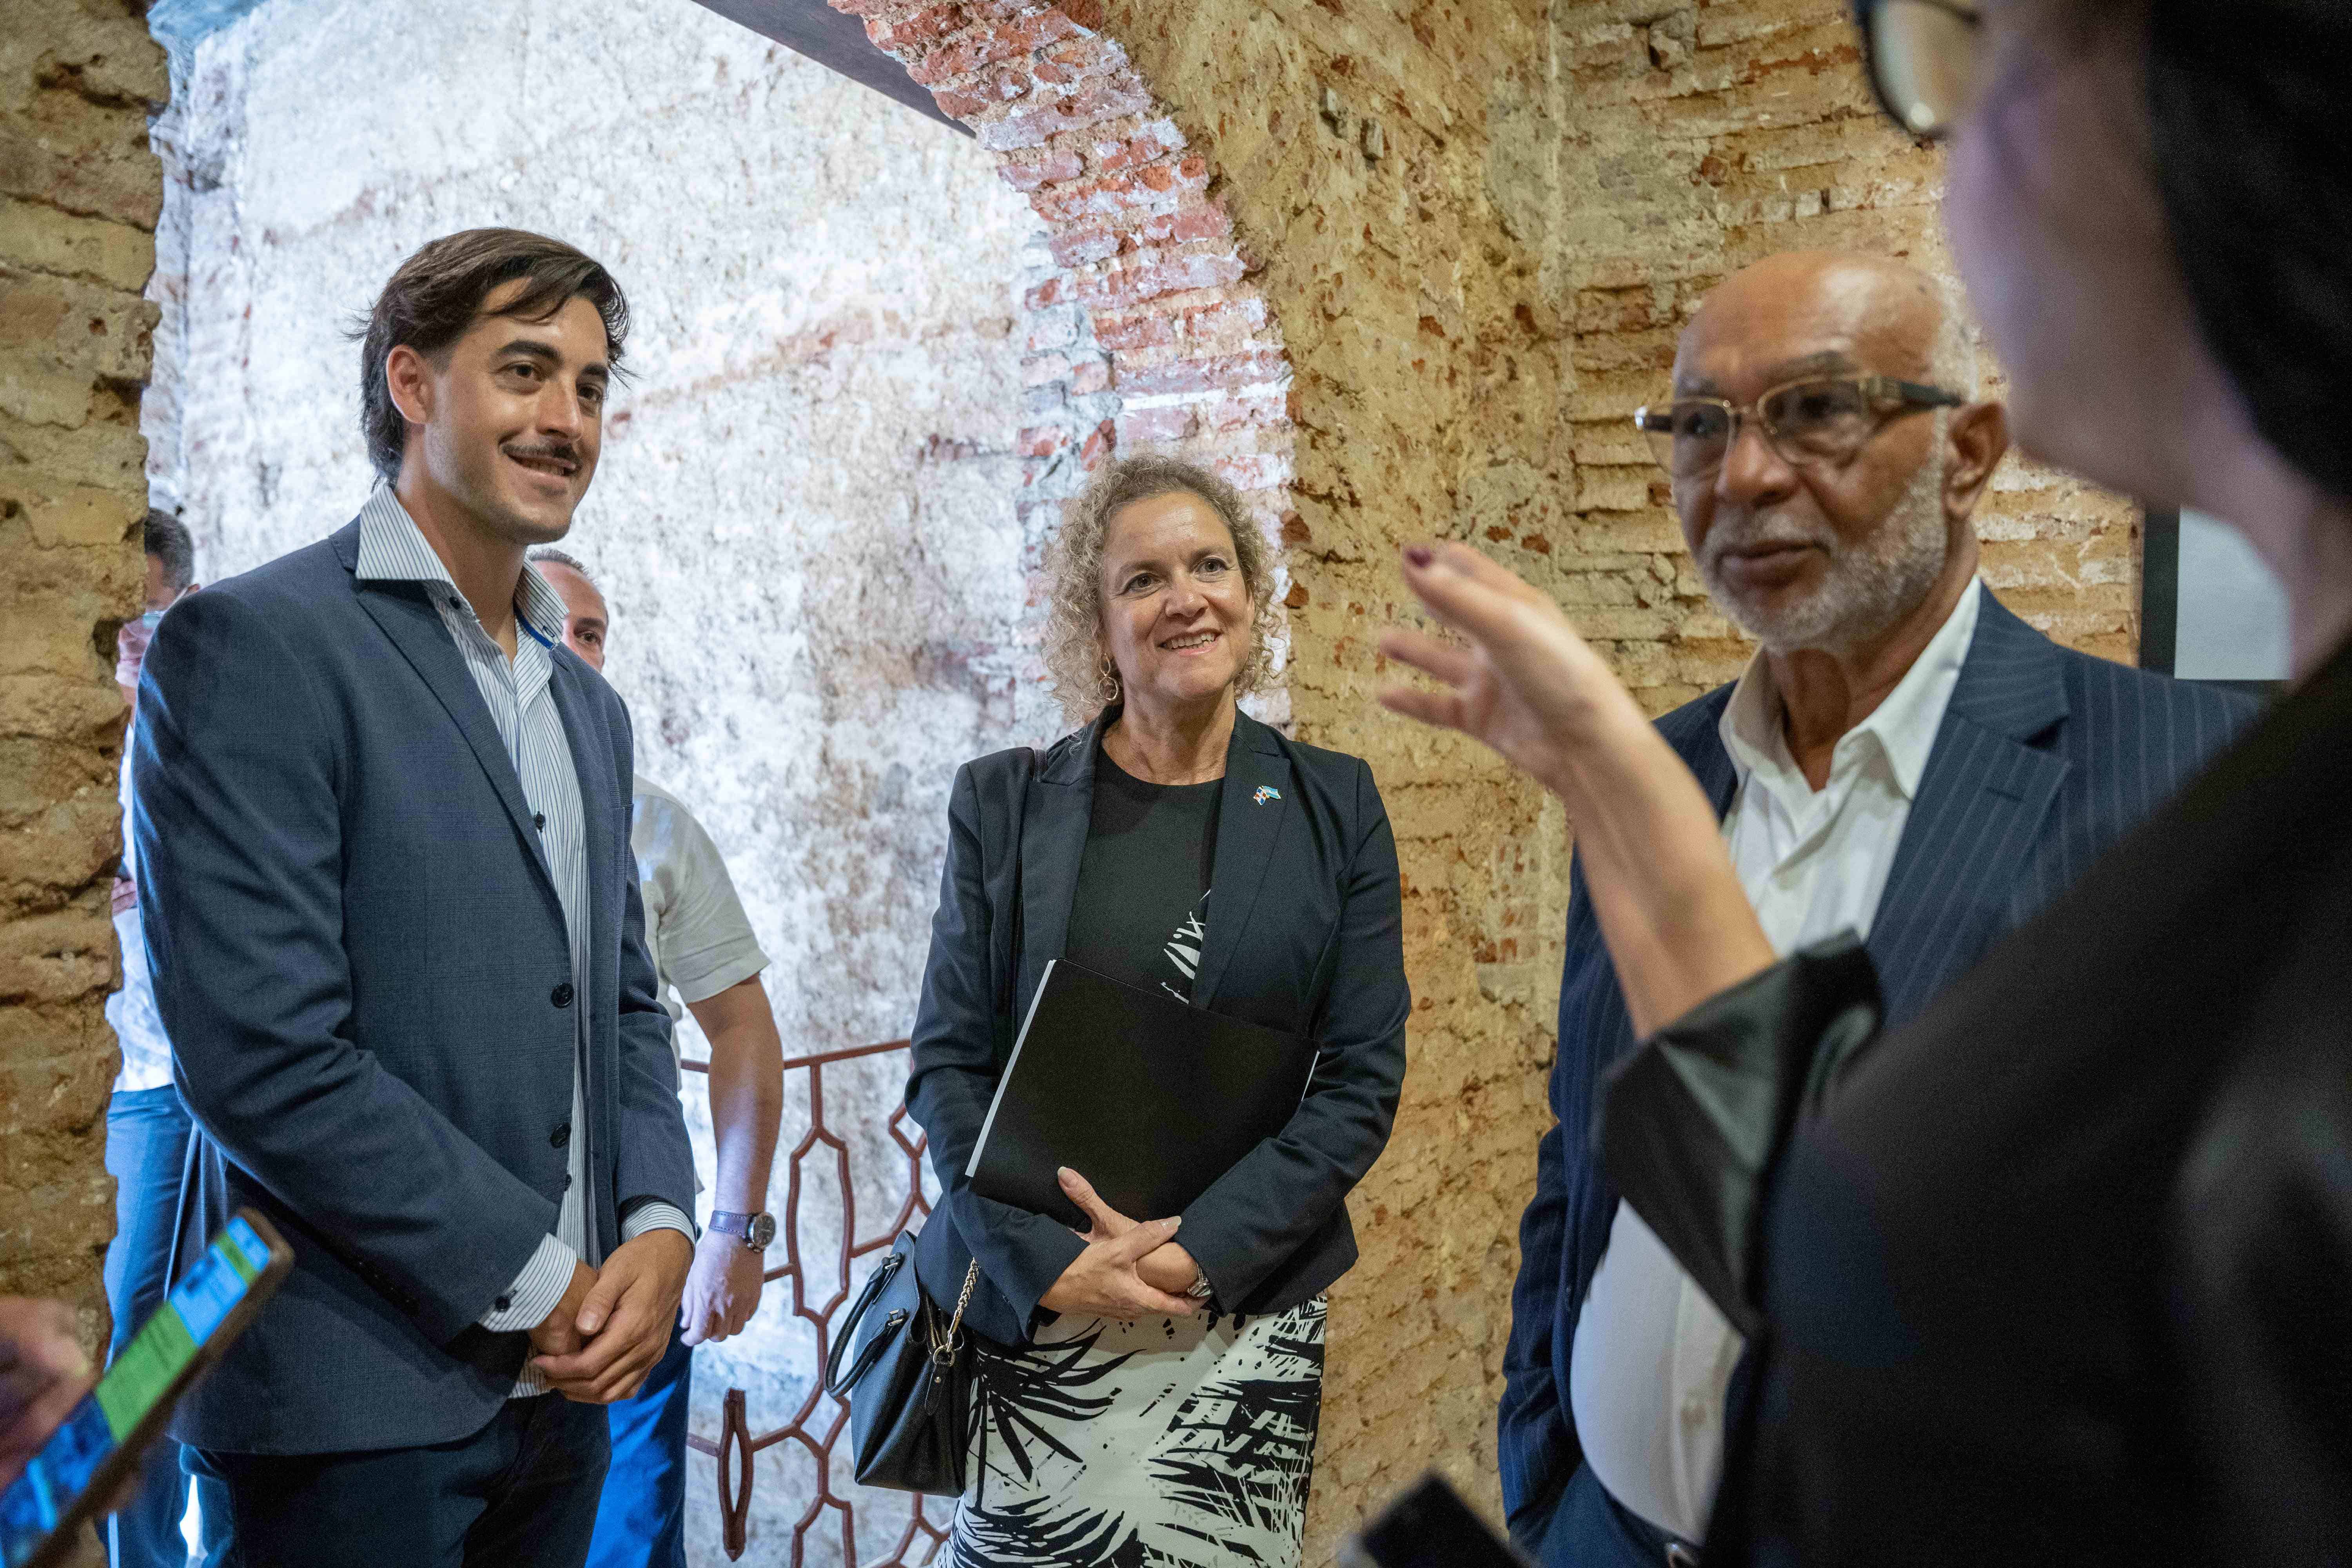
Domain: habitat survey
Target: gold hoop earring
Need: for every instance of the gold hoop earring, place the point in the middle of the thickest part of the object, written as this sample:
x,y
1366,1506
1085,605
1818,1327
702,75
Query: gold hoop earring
x,y
1108,684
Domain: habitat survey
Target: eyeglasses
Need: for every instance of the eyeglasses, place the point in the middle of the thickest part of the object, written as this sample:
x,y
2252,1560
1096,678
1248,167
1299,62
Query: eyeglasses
x,y
1816,421
1923,58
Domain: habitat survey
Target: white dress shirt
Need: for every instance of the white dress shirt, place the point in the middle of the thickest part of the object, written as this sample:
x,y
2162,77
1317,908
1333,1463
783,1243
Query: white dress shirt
x,y
1652,1357
516,691
137,1027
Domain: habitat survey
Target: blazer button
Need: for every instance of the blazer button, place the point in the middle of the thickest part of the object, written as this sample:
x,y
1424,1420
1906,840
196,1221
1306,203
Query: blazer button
x,y
561,1136
561,994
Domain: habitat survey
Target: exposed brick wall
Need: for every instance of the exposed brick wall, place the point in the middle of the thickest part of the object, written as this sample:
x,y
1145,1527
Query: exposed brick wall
x,y
1146,331
78,192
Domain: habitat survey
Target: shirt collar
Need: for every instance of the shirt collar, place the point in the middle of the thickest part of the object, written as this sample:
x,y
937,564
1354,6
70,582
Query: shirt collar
x,y
392,548
1903,727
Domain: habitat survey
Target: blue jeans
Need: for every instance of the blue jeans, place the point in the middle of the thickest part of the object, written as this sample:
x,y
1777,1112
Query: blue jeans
x,y
641,1522
146,1144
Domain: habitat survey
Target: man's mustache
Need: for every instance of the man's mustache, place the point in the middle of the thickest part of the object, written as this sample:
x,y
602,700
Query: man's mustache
x,y
544,451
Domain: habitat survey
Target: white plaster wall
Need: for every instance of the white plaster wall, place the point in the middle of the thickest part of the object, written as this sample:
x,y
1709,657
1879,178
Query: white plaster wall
x,y
804,515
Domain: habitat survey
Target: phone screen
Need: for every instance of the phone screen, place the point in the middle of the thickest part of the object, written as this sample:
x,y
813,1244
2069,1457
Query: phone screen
x,y
139,1377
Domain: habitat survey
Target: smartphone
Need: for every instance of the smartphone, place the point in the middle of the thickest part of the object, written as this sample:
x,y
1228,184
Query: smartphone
x,y
101,1444
1429,1527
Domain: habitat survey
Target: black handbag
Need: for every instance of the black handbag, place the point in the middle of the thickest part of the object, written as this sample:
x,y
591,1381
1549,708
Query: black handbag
x,y
908,1380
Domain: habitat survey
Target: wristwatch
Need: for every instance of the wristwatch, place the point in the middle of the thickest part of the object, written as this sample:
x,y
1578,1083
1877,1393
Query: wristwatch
x,y
1200,1289
756,1229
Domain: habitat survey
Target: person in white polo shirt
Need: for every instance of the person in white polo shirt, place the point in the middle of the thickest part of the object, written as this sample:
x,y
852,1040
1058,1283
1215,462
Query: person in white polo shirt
x,y
707,957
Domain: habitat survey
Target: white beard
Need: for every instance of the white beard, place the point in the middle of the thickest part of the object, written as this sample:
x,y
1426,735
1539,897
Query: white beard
x,y
1867,587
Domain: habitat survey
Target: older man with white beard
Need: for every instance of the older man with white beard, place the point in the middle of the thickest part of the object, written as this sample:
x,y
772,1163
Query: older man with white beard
x,y
1904,758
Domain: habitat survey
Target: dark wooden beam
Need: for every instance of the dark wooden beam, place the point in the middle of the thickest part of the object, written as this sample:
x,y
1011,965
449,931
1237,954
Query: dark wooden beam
x,y
837,42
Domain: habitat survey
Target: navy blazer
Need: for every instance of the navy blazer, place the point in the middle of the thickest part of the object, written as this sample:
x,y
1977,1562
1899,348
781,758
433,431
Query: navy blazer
x,y
2045,758
1304,934
363,968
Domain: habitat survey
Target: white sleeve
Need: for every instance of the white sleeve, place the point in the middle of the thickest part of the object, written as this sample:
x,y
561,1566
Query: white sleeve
x,y
707,943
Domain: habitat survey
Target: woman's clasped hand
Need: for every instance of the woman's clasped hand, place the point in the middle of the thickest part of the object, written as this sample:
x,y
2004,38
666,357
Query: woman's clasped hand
x,y
1131,1268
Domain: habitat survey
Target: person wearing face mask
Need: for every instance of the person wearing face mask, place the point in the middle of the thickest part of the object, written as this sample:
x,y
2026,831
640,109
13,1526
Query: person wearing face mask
x,y
2057,1271
146,1125
1150,1389
1904,759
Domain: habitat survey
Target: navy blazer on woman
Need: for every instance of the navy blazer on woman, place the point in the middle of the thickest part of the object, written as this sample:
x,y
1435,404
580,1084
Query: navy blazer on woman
x,y
1304,934
363,967
2045,758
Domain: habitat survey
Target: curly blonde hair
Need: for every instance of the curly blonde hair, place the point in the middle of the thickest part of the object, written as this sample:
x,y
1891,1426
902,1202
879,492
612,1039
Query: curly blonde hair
x,y
1074,565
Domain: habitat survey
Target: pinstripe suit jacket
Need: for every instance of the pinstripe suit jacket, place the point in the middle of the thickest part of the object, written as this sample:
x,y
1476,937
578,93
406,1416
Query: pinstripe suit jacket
x,y
2045,758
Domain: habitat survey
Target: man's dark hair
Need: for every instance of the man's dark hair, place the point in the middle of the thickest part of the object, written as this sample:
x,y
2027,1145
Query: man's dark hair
x,y
2253,157
437,293
168,541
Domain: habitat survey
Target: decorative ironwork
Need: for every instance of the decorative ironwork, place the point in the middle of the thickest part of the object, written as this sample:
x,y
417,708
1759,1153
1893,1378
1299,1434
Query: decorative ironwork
x,y
822,1421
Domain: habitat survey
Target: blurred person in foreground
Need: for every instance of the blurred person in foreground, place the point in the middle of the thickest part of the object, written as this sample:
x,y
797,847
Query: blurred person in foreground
x,y
2058,1271
381,816
147,1128
1150,1389
1904,759
705,955
43,1375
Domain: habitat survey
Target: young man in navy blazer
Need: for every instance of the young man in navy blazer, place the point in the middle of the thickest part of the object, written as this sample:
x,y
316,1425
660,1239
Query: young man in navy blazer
x,y
382,823
1904,758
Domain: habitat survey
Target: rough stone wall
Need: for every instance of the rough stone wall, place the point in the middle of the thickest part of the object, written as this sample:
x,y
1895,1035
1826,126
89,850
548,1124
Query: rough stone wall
x,y
805,517
78,193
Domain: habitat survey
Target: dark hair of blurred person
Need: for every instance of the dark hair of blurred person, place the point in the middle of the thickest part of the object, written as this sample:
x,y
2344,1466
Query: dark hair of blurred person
x,y
2059,1271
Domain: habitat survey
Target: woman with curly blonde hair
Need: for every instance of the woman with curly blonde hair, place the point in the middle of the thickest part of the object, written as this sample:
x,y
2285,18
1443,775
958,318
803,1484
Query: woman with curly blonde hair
x,y
1147,1398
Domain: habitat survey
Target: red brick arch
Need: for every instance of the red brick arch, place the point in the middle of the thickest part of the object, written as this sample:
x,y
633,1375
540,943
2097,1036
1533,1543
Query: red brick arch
x,y
1147,330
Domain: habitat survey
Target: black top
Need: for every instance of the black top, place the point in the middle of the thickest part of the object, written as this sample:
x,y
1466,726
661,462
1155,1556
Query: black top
x,y
1142,904
2063,1271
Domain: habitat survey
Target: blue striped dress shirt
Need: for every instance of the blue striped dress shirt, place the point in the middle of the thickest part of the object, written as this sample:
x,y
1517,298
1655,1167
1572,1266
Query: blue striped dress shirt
x,y
392,548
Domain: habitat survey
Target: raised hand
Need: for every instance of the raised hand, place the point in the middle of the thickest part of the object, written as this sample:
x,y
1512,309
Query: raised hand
x,y
1522,680
1106,1280
1677,923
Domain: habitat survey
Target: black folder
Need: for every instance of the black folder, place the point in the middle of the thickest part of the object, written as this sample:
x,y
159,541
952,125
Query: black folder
x,y
1150,1099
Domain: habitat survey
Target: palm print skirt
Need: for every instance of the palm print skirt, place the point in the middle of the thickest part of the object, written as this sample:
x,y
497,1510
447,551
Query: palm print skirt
x,y
1161,1444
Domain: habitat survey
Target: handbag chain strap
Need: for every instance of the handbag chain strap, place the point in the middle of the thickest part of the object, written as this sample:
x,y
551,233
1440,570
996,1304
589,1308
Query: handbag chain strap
x,y
945,1349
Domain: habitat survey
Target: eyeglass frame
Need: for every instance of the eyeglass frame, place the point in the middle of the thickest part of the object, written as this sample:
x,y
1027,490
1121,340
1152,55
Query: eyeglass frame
x,y
1892,396
1865,17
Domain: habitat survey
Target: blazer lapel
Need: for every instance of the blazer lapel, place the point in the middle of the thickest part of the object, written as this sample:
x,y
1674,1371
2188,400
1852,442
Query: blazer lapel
x,y
1053,842
407,616
1986,789
1251,810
